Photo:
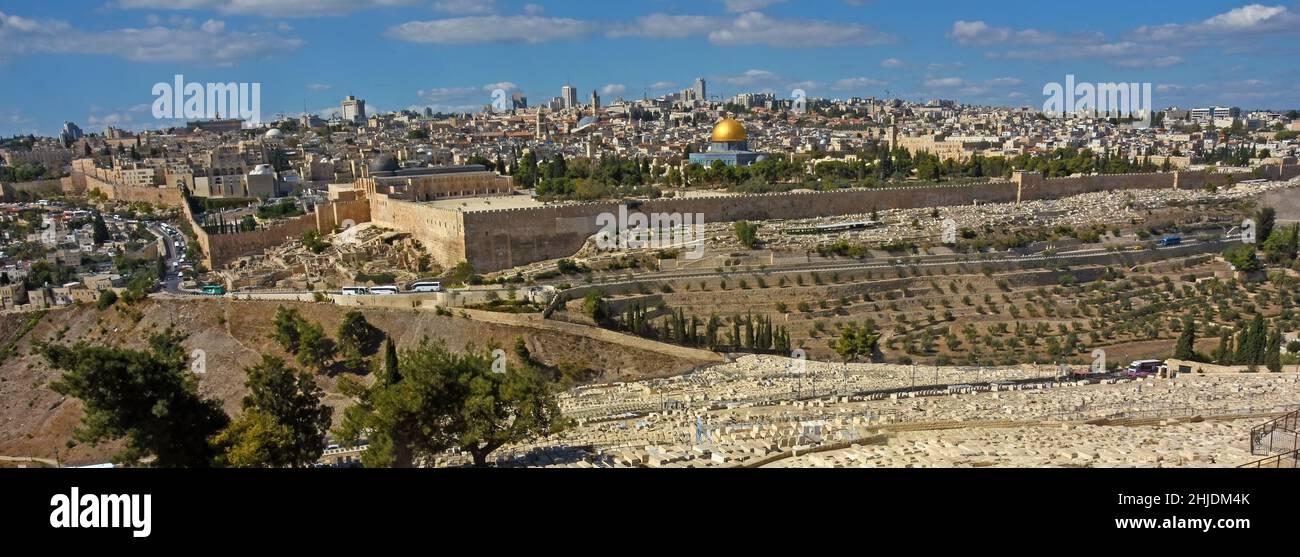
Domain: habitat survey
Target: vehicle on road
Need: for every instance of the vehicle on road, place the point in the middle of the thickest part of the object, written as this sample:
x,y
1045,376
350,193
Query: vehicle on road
x,y
384,290
1144,368
426,286
355,291
1168,241
214,290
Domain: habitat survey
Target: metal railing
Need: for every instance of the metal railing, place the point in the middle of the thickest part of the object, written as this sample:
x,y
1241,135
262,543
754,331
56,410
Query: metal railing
x,y
1289,459
1279,434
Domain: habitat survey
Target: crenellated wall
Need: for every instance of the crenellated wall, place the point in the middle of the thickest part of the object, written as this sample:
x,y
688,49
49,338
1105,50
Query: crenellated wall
x,y
167,197
505,238
440,230
36,188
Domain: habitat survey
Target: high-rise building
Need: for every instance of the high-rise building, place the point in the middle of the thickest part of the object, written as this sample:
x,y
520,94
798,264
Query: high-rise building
x,y
71,132
595,103
570,96
354,109
701,90
519,101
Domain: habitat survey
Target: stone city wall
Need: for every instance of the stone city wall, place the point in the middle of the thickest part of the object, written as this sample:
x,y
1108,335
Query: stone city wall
x,y
506,238
36,189
167,197
440,230
332,215
220,249
501,239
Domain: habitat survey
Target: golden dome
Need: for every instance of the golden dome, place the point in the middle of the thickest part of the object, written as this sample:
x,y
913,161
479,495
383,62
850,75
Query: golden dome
x,y
729,130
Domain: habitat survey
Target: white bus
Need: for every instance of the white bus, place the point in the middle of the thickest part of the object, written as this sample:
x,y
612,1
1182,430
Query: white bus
x,y
384,290
355,290
426,286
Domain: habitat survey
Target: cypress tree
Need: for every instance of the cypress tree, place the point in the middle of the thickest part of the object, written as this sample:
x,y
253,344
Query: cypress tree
x,y
391,374
1185,350
1273,353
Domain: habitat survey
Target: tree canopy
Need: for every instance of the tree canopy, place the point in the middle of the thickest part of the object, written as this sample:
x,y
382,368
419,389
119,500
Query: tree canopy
x,y
441,400
147,398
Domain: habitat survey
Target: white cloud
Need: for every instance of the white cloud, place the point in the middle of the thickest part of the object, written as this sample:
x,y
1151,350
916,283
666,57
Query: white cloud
x,y
1254,17
1004,82
211,42
114,119
857,83
1235,32
319,87
658,85
892,63
1249,19
492,29
981,33
465,7
756,29
1143,62
503,85
667,26
534,9
613,89
267,8
745,29
944,82
751,78
748,5
444,94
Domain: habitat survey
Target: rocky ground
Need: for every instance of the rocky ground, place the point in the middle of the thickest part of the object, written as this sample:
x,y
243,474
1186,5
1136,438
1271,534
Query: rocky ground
x,y
1207,444
37,422
757,408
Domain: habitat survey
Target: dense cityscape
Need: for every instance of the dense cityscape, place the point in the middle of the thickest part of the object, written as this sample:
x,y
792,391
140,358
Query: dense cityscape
x,y
700,277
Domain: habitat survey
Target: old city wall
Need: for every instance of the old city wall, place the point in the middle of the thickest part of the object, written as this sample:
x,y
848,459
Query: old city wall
x,y
334,214
167,197
221,249
506,238
440,230
36,189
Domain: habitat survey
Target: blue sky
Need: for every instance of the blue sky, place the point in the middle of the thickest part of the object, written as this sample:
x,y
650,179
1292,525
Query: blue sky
x,y
95,62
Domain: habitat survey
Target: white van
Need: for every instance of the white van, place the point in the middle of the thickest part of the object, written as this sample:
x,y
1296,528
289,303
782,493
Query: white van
x,y
427,286
384,290
355,290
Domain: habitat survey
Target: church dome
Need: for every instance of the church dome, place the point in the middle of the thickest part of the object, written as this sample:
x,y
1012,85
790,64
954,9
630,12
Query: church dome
x,y
729,130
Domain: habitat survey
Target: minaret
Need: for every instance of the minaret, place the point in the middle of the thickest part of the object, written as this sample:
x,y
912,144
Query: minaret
x,y
541,125
893,132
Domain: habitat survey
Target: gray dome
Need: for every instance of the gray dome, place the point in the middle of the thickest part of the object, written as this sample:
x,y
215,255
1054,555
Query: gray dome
x,y
383,163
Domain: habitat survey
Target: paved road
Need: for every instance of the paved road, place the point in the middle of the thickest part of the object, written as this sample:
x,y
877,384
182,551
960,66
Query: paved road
x,y
172,256
1199,246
